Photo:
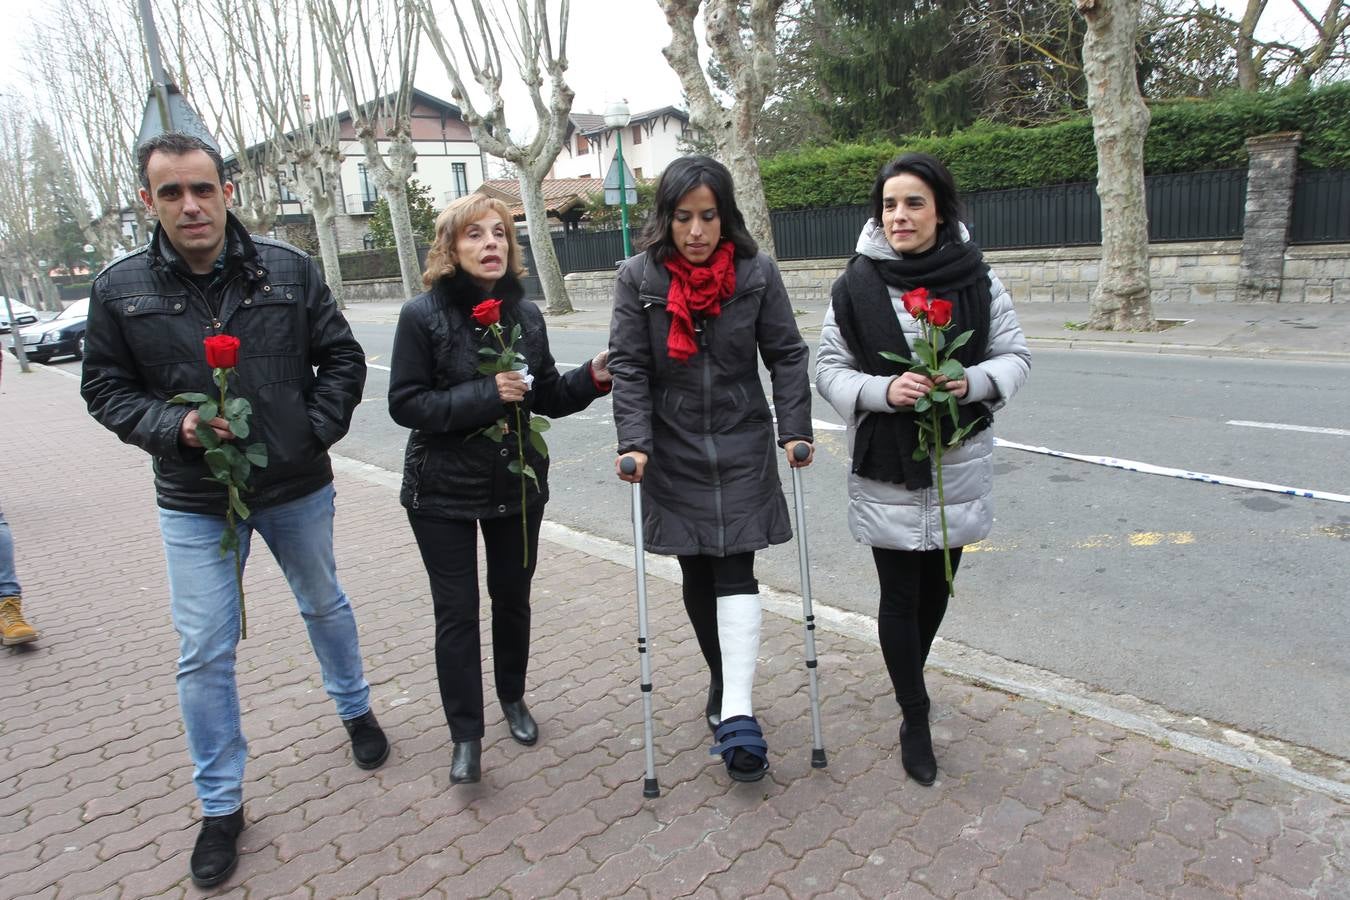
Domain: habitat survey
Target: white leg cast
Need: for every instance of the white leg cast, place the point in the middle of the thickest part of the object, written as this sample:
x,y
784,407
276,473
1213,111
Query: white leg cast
x,y
738,618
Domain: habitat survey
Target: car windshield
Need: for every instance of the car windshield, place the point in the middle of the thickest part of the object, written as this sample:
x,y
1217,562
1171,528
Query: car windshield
x,y
77,310
20,309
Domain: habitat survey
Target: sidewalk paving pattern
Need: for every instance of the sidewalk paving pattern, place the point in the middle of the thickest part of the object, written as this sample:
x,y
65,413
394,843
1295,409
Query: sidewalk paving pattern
x,y
96,798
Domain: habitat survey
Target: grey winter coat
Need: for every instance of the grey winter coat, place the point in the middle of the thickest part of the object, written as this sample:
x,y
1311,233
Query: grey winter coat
x,y
889,515
711,484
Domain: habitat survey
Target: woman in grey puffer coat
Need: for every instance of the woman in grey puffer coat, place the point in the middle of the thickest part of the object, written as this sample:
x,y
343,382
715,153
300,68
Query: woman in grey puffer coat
x,y
691,314
915,239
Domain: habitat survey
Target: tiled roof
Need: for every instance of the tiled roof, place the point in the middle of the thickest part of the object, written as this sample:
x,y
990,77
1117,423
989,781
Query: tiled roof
x,y
560,194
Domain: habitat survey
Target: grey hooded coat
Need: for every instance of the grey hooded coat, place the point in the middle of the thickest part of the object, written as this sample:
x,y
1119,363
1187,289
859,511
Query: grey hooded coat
x,y
890,515
711,484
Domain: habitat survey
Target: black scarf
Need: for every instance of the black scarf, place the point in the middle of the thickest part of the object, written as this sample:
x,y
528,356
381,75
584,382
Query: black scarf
x,y
883,449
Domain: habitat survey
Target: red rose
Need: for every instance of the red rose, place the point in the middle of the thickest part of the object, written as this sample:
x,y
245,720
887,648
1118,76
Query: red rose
x,y
940,312
489,312
915,301
222,351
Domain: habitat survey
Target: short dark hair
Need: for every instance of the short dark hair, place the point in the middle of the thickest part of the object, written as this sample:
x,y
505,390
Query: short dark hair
x,y
680,177
931,171
175,143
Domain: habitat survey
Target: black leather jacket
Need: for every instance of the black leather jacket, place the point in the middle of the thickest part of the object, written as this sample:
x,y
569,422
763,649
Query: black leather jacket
x,y
147,320
450,470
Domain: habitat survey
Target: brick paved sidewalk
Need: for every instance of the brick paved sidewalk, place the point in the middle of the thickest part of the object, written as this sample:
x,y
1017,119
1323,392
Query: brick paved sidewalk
x,y
96,799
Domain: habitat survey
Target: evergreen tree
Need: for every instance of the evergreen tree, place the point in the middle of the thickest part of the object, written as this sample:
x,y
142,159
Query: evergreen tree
x,y
422,210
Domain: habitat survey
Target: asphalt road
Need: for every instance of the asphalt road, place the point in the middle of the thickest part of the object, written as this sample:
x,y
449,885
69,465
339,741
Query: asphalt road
x,y
1222,602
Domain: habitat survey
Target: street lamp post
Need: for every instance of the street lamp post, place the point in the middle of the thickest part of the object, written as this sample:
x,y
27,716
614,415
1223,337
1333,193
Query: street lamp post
x,y
617,117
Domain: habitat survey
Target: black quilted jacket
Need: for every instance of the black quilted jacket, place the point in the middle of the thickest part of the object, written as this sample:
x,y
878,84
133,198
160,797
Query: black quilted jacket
x,y
451,470
299,364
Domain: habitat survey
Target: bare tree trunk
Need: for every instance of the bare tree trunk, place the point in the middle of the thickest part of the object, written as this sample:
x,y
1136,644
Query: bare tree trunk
x,y
15,332
1120,301
751,68
325,226
1248,76
529,39
391,176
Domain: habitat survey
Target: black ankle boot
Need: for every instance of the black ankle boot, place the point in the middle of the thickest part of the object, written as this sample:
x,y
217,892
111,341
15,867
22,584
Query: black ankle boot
x,y
370,748
916,751
713,710
522,724
216,854
466,763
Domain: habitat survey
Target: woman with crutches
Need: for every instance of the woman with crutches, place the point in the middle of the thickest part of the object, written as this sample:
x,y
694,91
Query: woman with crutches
x,y
915,240
691,314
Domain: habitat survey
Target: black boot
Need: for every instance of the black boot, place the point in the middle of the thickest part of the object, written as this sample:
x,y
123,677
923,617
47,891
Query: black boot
x,y
916,748
466,763
370,748
215,854
522,724
713,710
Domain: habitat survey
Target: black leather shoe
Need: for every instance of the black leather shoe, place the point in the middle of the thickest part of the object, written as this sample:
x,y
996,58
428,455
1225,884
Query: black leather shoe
x,y
521,723
916,752
466,763
370,748
215,855
713,710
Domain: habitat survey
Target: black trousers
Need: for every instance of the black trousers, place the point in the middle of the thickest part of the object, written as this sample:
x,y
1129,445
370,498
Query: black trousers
x,y
450,552
913,602
705,579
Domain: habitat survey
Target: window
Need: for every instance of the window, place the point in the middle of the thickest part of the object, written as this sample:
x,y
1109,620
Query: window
x,y
583,145
368,192
286,195
637,135
637,173
460,172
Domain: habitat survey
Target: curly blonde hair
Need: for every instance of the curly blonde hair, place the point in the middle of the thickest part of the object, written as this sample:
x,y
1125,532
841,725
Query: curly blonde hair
x,y
442,261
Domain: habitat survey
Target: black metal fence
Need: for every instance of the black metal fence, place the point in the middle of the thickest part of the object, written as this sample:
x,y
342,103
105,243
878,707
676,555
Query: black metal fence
x,y
1191,206
1321,208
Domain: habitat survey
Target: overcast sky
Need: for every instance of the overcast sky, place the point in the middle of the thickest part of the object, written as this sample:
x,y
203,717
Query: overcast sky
x,y
614,51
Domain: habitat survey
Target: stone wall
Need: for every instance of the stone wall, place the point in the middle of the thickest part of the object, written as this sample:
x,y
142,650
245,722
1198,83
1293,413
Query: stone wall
x,y
1198,272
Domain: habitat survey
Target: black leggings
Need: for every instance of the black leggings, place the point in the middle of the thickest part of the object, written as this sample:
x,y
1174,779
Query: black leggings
x,y
913,602
450,552
705,579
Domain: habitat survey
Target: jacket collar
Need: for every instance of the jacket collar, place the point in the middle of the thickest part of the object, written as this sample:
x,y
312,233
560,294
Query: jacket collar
x,y
655,286
240,251
463,292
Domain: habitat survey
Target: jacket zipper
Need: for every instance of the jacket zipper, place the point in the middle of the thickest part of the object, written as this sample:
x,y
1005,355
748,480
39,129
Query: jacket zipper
x,y
708,441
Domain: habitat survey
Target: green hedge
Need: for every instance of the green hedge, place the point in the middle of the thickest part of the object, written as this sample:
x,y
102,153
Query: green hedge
x,y
1184,136
361,265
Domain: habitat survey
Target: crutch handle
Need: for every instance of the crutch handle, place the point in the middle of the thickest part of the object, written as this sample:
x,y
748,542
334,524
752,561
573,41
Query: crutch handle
x,y
628,465
801,451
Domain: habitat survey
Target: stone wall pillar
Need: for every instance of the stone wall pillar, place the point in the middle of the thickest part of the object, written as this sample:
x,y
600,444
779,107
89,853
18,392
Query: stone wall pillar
x,y
1272,165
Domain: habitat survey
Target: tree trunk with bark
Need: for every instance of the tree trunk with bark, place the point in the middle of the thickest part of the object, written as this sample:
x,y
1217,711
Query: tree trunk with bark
x,y
748,57
315,187
391,176
541,61
1120,301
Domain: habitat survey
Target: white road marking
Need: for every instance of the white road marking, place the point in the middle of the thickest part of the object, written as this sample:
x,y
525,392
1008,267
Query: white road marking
x,y
1150,469
1280,426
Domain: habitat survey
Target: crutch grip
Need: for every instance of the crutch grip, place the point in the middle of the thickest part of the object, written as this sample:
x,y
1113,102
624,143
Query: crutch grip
x,y
801,451
628,465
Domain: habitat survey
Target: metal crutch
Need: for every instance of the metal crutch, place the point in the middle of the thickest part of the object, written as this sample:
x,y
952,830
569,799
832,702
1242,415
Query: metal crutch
x,y
818,761
649,786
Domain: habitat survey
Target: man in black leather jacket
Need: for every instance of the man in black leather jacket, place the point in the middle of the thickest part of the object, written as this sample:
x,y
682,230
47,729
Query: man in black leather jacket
x,y
303,371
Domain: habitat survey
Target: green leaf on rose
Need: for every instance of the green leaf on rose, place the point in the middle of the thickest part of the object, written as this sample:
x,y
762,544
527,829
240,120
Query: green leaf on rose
x,y
894,357
920,453
239,426
257,454
207,435
208,410
922,404
238,505
923,349
953,370
487,351
537,442
218,461
515,333
959,341
538,424
951,407
191,397
236,407
938,396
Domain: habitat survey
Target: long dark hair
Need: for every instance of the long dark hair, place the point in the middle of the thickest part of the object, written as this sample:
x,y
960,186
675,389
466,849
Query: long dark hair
x,y
680,177
931,171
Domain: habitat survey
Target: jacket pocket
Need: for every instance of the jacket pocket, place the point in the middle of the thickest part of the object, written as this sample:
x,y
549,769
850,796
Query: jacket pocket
x,y
265,321
152,325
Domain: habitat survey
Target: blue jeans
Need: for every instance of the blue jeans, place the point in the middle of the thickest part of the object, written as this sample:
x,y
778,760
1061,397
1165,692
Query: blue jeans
x,y
205,605
9,581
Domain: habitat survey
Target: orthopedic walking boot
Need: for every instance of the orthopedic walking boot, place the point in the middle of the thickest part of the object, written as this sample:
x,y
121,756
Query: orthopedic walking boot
x,y
916,746
370,748
466,763
522,724
12,624
215,854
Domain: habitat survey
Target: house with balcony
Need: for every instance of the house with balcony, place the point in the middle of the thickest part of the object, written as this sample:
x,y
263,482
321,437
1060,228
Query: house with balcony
x,y
650,141
448,161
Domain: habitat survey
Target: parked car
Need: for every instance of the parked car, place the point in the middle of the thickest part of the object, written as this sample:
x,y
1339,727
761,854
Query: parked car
x,y
61,336
25,314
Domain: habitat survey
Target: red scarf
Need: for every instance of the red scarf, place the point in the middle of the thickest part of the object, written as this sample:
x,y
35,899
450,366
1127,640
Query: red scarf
x,y
697,289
